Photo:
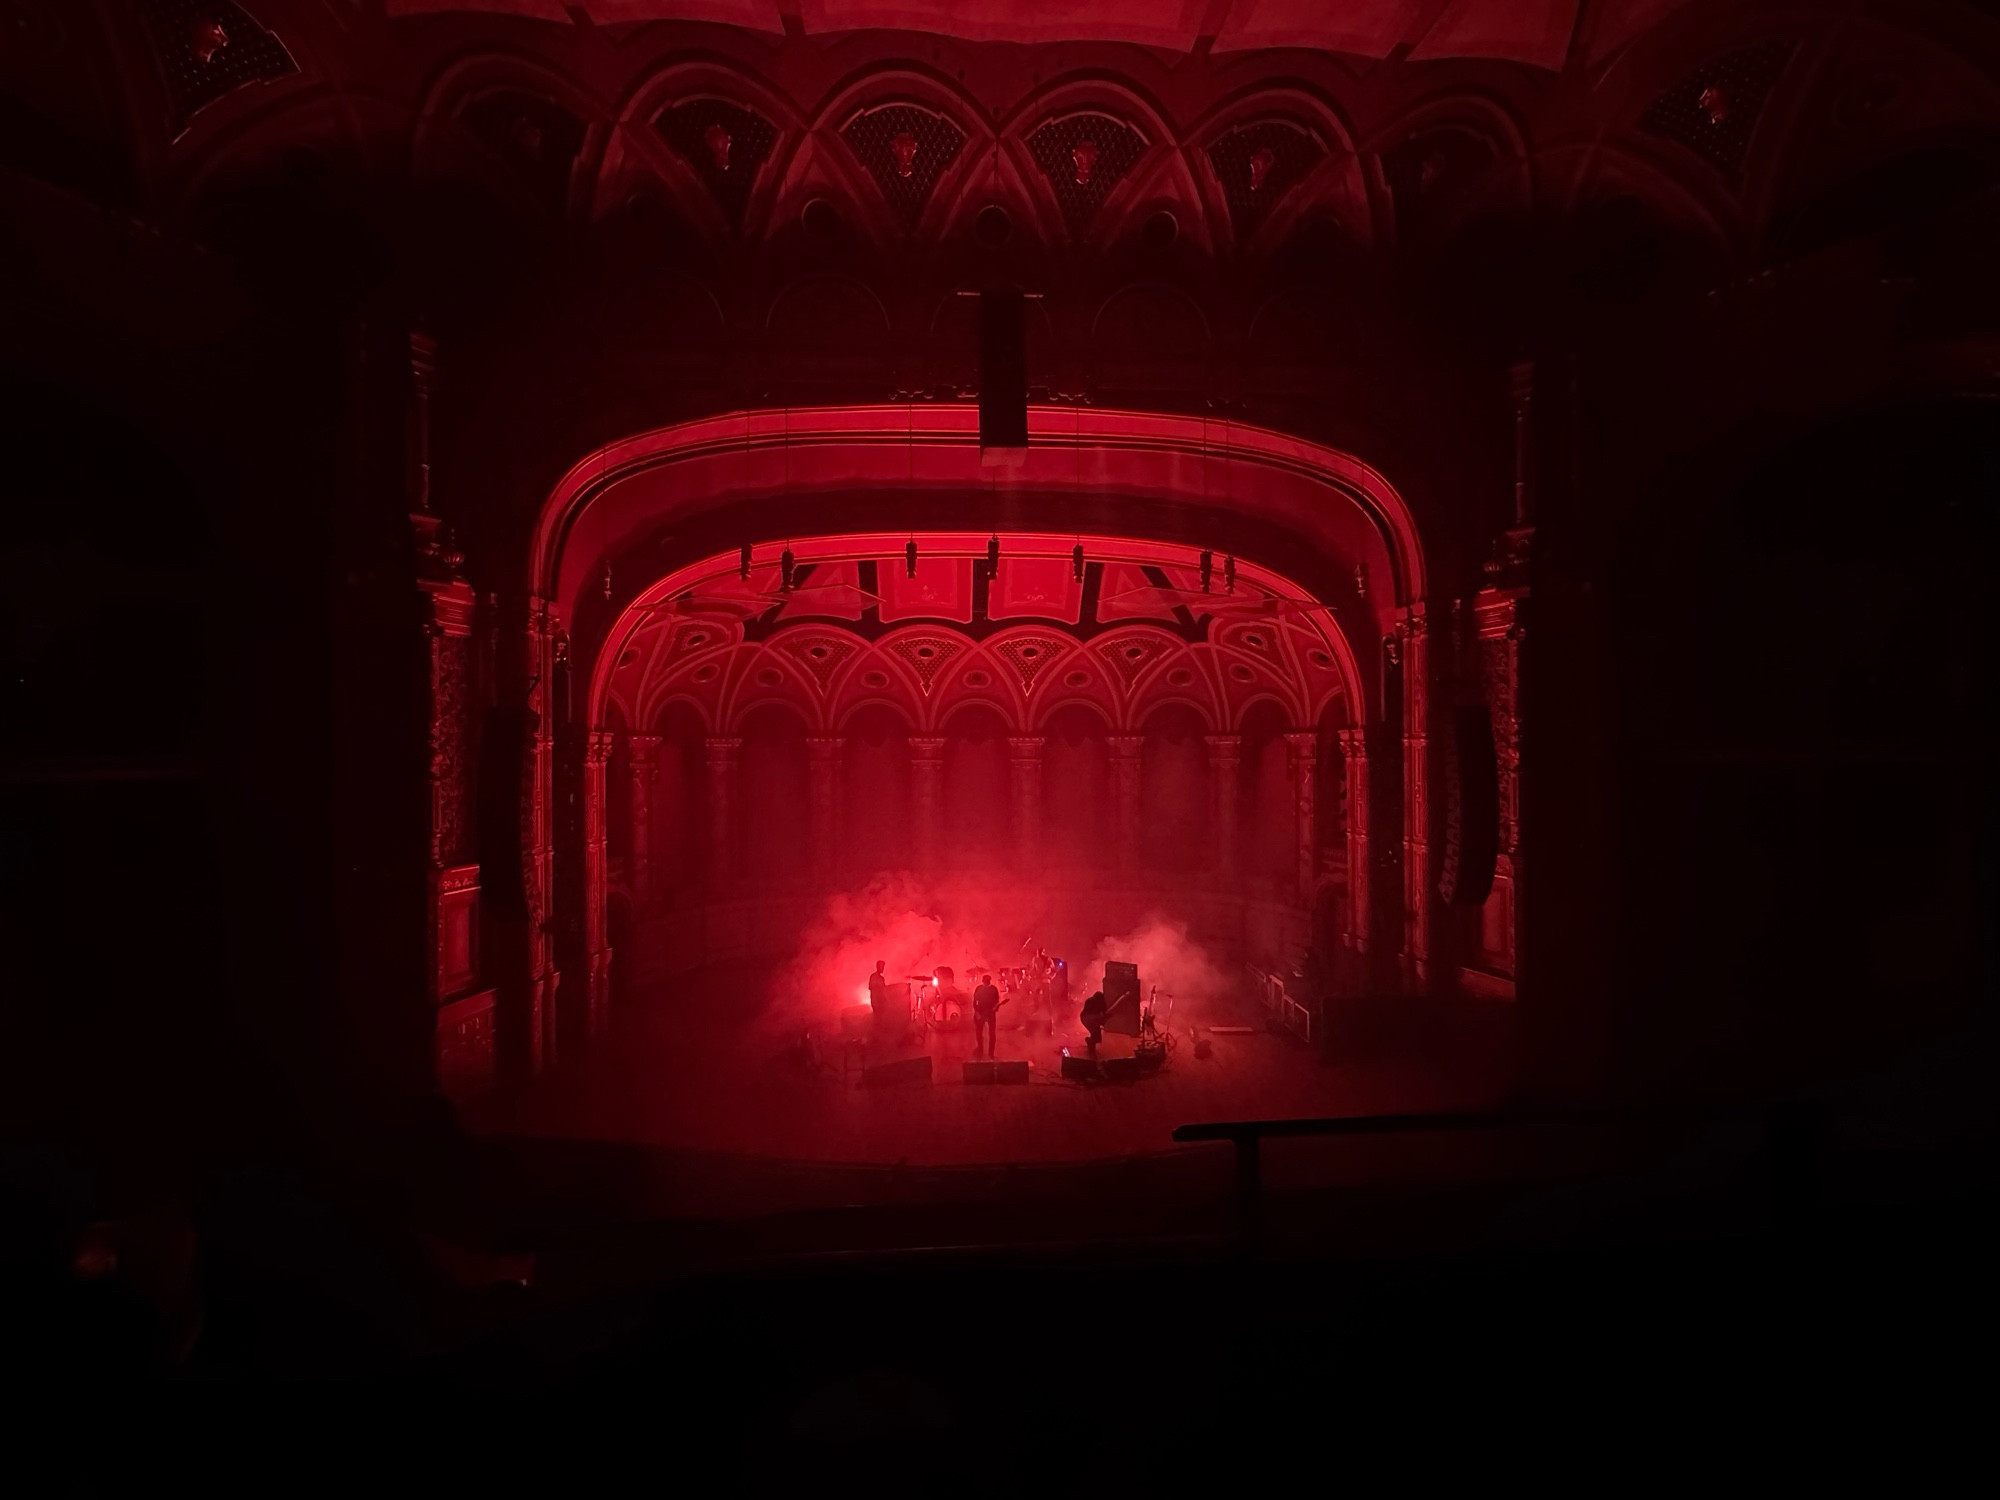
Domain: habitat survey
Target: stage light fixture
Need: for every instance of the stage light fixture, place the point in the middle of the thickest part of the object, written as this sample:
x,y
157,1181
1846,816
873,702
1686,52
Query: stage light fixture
x,y
787,569
1229,574
743,563
993,556
910,559
1207,569
1076,562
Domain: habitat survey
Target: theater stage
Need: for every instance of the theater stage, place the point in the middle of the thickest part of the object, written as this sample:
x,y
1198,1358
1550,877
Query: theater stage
x,y
684,1070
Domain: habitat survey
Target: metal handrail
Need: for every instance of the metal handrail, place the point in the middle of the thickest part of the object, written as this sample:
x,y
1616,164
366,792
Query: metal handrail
x,y
1248,1135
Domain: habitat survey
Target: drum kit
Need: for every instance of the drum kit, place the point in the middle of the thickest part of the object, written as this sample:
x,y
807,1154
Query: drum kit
x,y
937,1003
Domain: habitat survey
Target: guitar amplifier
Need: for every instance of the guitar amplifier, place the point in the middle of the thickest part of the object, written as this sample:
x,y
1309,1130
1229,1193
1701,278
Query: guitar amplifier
x,y
1082,1068
1121,998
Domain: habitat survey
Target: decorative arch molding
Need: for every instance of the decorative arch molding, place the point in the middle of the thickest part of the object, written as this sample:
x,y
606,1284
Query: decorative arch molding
x,y
638,144
931,669
442,134
1159,171
1337,182
1329,501
885,87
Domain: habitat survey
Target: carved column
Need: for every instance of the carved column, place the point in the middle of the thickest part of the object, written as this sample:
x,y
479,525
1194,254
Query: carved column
x,y
644,751
927,798
1024,754
538,840
1414,635
596,937
1500,620
1126,750
1303,748
1354,760
1225,760
826,752
723,768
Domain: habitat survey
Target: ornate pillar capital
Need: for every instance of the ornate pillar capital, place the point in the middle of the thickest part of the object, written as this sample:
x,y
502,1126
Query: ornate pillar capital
x,y
1126,746
644,750
826,748
1026,746
598,750
927,747
722,749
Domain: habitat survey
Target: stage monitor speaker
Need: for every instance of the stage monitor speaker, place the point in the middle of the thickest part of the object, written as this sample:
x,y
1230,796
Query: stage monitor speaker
x,y
1126,1069
1080,1067
1013,1070
904,1070
1121,998
1003,371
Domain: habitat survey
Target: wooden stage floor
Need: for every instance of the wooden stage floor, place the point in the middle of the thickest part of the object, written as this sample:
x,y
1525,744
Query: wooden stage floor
x,y
684,1070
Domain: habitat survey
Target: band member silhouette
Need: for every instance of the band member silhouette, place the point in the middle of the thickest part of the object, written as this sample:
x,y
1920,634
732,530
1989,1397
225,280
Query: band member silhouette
x,y
986,1005
1092,1017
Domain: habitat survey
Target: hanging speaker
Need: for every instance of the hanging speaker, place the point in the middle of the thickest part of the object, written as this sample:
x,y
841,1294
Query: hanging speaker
x,y
1003,370
1471,808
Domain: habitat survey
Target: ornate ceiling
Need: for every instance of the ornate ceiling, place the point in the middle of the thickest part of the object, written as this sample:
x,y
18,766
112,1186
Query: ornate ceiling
x,y
1132,630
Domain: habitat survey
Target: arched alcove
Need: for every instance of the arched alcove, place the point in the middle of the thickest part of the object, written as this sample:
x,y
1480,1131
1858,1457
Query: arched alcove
x,y
975,828
1174,789
875,793
1268,819
775,814
1076,781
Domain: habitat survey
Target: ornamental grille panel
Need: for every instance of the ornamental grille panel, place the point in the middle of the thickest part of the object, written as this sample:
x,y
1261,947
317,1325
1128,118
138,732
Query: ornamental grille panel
x,y
1131,656
724,144
1084,157
1257,165
1027,655
1714,110
538,139
906,150
821,655
204,49
927,655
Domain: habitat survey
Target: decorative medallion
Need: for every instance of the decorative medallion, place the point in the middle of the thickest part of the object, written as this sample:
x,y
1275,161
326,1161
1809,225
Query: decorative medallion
x,y
1084,157
1028,654
1258,164
821,655
1256,640
696,637
906,150
204,49
1714,110
1132,654
724,144
927,655
539,139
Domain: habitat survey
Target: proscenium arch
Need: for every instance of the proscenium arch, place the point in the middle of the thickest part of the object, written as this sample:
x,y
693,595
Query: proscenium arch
x,y
615,497
1349,685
